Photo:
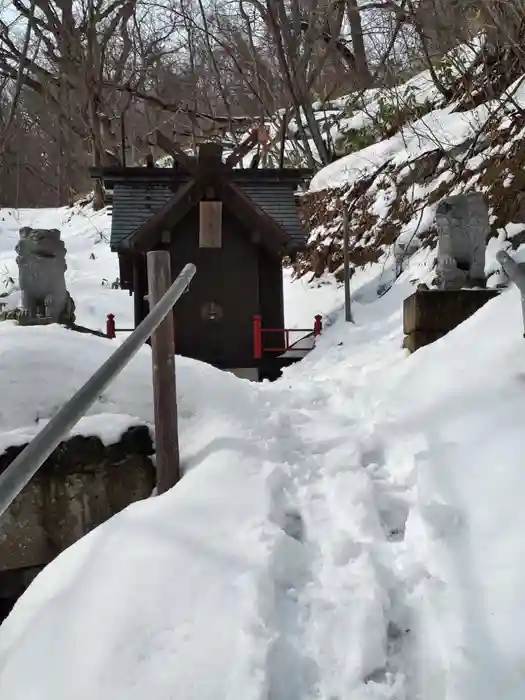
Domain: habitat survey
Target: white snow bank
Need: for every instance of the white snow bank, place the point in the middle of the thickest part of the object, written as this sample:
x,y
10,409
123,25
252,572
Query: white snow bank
x,y
91,267
176,590
356,165
440,128
197,578
352,531
458,402
42,367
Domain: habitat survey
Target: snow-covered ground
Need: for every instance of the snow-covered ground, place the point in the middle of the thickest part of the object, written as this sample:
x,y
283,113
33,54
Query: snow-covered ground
x,y
41,368
91,267
353,531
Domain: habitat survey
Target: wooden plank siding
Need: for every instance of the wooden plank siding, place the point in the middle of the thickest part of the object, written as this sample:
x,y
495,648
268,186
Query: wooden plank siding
x,y
226,284
271,299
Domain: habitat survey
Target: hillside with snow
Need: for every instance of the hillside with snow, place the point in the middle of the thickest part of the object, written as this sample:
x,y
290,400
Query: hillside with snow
x,y
352,531
405,148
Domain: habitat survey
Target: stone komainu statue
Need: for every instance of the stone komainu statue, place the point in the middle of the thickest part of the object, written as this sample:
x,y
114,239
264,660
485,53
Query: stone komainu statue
x,y
462,223
41,259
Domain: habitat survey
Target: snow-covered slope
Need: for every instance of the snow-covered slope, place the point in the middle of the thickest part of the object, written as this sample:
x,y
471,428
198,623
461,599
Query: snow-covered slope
x,y
353,531
407,148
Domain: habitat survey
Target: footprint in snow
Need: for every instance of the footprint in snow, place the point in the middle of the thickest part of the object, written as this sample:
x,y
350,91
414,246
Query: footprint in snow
x,y
293,525
373,457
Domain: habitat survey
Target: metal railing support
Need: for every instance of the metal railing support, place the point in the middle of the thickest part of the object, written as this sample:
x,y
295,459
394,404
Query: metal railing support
x,y
24,467
516,273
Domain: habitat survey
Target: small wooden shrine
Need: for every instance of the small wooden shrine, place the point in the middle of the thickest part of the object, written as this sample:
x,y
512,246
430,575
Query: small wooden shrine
x,y
235,224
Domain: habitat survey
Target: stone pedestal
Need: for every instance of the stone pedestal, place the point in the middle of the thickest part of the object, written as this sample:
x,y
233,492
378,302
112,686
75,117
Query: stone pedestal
x,y
430,314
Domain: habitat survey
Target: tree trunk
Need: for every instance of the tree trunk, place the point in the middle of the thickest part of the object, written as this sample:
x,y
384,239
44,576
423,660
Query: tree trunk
x,y
364,77
97,150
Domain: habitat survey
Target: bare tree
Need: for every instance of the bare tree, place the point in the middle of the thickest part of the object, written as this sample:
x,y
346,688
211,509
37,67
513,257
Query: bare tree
x,y
201,69
78,55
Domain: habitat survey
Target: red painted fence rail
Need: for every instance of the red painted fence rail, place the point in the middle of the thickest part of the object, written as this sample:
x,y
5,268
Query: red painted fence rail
x,y
259,346
112,330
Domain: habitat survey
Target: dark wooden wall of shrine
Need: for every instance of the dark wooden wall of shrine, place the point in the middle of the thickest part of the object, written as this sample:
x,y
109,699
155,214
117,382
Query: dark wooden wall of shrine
x,y
213,321
271,300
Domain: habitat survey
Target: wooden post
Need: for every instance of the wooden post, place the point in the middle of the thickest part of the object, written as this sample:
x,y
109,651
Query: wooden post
x,y
164,384
346,225
138,292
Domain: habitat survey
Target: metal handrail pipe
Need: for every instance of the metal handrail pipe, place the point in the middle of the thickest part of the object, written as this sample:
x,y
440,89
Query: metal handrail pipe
x,y
28,462
516,273
512,268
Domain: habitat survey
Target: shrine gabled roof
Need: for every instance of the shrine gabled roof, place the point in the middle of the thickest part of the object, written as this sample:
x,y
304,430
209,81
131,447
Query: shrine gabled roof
x,y
138,197
174,176
132,206
279,201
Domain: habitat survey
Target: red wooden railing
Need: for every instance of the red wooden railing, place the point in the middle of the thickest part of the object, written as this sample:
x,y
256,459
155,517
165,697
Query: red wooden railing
x,y
259,333
112,330
259,346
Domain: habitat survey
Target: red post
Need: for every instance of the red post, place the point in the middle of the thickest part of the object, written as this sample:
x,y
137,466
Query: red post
x,y
318,325
110,326
257,337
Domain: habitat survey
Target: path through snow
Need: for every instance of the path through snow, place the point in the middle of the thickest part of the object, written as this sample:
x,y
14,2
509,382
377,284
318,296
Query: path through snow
x,y
340,620
377,594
